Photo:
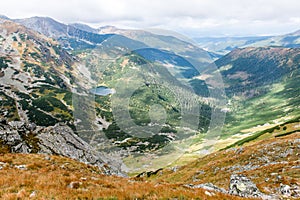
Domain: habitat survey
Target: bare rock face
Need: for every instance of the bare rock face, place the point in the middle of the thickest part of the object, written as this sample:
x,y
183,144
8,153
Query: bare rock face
x,y
242,186
60,139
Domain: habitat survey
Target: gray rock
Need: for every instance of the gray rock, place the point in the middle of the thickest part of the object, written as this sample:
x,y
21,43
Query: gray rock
x,y
285,190
59,139
242,186
208,186
21,167
289,191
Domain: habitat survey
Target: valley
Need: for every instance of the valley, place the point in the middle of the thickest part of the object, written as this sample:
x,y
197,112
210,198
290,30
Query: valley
x,y
88,107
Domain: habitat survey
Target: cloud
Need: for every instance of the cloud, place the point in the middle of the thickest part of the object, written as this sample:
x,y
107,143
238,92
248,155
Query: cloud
x,y
195,17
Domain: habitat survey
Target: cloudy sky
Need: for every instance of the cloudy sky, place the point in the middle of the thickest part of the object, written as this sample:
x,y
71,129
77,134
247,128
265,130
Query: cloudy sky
x,y
188,17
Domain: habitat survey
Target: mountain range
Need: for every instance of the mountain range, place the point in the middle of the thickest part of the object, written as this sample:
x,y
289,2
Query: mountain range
x,y
148,104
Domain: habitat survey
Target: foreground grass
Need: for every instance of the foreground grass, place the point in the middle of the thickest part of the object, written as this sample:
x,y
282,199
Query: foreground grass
x,y
44,178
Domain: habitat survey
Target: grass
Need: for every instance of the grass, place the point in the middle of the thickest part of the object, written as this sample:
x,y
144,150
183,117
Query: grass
x,y
218,167
51,179
289,127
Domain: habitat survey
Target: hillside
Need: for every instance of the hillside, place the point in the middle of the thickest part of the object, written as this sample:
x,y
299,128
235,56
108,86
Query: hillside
x,y
264,79
44,84
270,164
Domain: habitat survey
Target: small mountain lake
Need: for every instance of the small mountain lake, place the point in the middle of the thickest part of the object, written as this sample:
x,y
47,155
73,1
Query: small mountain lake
x,y
102,91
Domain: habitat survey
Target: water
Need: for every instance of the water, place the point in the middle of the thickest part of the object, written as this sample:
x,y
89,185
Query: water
x,y
102,91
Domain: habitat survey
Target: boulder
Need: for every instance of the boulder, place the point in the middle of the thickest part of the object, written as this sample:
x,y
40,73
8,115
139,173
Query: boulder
x,y
242,186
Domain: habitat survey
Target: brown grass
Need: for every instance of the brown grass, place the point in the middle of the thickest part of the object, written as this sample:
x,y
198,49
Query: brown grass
x,y
217,167
50,179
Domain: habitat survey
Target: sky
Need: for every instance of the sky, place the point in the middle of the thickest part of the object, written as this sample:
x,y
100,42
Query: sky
x,y
193,18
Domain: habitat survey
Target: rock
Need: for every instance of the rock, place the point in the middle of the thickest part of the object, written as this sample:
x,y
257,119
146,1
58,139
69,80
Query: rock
x,y
21,167
47,158
242,186
175,168
209,193
289,191
16,124
33,194
21,137
74,185
285,190
207,186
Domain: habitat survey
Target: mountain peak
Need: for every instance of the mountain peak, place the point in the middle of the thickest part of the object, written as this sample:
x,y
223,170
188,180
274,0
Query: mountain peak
x,y
4,17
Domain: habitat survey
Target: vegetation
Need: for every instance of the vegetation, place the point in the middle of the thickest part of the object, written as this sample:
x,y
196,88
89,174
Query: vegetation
x,y
52,179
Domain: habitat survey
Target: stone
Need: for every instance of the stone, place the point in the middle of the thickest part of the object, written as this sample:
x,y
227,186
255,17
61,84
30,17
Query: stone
x,y
207,186
242,186
209,193
285,190
33,194
74,185
21,167
59,139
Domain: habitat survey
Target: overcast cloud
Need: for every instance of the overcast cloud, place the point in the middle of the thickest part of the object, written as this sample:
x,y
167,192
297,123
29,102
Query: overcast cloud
x,y
190,17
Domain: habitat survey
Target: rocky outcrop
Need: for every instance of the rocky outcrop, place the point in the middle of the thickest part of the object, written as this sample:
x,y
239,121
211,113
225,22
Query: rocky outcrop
x,y
289,191
242,186
207,186
19,137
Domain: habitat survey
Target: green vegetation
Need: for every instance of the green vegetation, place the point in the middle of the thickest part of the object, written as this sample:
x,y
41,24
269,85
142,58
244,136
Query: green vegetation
x,y
3,63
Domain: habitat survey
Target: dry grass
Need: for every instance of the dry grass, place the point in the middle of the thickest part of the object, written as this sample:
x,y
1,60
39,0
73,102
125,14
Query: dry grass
x,y
50,179
268,174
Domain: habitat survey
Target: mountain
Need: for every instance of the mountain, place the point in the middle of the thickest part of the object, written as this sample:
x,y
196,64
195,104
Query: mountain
x,y
71,37
84,27
288,40
4,17
36,84
45,84
223,45
195,55
262,88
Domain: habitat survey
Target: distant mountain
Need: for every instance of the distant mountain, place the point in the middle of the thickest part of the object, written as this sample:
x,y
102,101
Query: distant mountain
x,y
84,27
194,54
250,68
224,45
262,85
289,40
4,17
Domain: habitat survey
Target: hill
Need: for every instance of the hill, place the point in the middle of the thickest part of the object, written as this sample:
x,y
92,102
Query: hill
x,y
271,164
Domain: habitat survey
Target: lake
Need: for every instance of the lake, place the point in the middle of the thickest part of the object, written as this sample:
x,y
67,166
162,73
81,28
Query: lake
x,y
102,91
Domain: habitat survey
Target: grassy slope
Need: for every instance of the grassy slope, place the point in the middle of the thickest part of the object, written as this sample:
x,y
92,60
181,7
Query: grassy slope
x,y
270,156
50,180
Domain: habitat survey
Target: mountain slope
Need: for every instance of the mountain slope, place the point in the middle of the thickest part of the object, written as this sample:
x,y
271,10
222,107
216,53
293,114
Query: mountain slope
x,y
195,55
270,163
259,78
36,84
71,37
